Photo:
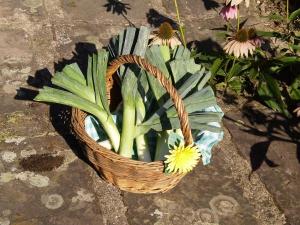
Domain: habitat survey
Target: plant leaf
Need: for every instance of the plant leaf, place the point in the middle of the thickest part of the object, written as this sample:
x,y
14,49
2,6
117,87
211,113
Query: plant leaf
x,y
96,81
101,78
173,123
181,67
63,81
294,90
204,81
271,95
196,102
269,34
216,66
90,82
155,57
294,15
234,71
180,52
165,52
73,71
142,41
288,59
185,88
53,95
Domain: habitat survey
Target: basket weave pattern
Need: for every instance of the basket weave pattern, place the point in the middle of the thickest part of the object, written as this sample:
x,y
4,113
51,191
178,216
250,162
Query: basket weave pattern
x,y
131,175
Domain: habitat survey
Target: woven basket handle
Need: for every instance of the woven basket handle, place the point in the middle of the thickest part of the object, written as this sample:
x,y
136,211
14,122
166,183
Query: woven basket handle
x,y
178,103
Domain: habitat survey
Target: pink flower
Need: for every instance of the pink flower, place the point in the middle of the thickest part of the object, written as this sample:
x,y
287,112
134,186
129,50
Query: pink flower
x,y
239,49
254,39
257,42
229,12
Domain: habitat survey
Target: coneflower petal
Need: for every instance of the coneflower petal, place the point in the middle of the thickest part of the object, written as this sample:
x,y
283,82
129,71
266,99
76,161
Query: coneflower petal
x,y
233,46
237,50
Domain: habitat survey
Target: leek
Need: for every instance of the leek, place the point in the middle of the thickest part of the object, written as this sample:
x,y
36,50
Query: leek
x,y
141,140
88,95
128,90
52,95
133,41
162,147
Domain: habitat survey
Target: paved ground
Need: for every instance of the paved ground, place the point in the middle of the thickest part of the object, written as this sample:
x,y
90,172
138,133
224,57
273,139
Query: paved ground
x,y
43,180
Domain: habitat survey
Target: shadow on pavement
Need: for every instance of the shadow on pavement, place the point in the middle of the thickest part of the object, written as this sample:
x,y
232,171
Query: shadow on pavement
x,y
60,115
206,46
270,126
210,4
155,18
119,8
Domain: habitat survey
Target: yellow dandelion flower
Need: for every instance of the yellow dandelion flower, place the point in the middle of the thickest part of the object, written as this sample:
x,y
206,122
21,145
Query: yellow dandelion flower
x,y
182,159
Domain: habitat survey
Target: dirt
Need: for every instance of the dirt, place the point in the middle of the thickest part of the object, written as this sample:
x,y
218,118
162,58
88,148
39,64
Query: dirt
x,y
41,162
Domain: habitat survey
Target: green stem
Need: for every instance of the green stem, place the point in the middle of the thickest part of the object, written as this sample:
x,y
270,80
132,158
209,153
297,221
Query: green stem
x,y
238,18
128,131
180,24
228,76
287,11
230,71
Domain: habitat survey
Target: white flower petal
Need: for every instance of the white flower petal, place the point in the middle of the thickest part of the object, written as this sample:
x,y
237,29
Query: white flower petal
x,y
247,3
237,50
233,46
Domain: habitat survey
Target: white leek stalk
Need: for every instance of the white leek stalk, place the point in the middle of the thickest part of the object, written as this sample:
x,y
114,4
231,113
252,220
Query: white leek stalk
x,y
141,140
129,89
128,130
142,148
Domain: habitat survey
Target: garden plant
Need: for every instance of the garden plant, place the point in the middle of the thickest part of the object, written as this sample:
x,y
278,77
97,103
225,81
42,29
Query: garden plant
x,y
259,64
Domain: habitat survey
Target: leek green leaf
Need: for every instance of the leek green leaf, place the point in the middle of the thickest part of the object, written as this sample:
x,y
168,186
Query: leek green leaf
x,y
73,71
73,86
101,78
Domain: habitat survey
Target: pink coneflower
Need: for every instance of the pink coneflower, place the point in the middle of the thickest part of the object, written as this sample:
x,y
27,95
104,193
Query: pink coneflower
x,y
255,40
239,49
165,35
243,43
237,2
229,12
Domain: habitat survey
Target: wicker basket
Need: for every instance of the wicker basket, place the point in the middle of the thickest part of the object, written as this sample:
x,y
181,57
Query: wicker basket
x,y
131,175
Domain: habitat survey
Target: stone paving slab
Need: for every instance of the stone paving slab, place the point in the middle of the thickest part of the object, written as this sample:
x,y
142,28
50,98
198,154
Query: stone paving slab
x,y
39,36
208,195
271,145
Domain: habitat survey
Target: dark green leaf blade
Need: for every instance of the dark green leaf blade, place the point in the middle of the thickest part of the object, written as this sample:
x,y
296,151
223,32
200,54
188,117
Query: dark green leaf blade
x,y
294,15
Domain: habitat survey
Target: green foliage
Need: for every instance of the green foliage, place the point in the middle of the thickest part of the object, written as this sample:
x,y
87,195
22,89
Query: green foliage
x,y
273,78
269,91
294,15
294,90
